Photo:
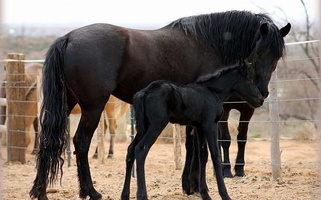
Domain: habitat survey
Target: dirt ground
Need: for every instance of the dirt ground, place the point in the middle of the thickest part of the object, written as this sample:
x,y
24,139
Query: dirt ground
x,y
300,179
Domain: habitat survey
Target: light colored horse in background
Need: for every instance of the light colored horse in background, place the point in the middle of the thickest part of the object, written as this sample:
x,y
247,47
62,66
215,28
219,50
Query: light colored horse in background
x,y
114,108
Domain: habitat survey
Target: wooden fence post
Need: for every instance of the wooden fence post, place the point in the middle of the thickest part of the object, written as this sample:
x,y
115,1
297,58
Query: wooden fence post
x,y
177,146
15,89
274,128
100,139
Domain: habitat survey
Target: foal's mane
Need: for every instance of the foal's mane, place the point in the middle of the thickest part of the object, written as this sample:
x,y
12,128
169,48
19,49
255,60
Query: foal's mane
x,y
215,75
233,33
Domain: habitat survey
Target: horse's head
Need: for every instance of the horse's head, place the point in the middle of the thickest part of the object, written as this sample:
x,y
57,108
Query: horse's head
x,y
246,86
268,49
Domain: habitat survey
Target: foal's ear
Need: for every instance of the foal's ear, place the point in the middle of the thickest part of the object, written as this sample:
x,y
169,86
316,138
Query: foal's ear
x,y
285,30
264,29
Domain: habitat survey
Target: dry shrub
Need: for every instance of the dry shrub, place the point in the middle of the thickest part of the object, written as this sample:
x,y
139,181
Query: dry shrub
x,y
306,131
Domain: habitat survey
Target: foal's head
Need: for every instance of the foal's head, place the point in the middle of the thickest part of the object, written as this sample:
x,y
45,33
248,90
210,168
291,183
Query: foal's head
x,y
246,86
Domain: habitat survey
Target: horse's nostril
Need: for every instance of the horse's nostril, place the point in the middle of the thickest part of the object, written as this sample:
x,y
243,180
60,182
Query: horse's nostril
x,y
266,94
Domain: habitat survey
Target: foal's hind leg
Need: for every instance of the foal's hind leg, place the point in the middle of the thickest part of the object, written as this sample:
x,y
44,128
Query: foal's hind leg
x,y
141,151
187,182
88,123
211,134
202,159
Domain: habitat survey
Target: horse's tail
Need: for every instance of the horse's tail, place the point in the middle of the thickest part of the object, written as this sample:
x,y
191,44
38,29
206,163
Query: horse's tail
x,y
53,114
139,107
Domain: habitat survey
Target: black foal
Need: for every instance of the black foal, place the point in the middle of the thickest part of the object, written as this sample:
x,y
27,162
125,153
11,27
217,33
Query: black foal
x,y
200,105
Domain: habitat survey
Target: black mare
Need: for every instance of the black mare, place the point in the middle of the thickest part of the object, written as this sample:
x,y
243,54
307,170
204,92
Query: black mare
x,y
88,64
198,104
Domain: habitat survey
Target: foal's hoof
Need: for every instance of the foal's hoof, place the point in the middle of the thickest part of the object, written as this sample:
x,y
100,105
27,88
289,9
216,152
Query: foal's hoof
x,y
124,198
188,192
110,156
95,196
142,197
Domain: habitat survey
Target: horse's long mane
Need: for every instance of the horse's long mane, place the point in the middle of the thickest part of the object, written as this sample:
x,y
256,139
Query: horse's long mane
x,y
233,33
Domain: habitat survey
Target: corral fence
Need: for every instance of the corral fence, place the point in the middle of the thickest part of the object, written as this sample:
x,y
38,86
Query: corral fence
x,y
16,90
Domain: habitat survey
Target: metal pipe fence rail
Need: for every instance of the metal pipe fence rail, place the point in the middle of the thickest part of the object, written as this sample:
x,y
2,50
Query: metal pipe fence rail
x,y
17,132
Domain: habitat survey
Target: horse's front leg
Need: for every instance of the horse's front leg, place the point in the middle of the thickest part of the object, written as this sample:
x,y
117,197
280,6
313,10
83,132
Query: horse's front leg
x,y
245,117
211,133
87,125
225,142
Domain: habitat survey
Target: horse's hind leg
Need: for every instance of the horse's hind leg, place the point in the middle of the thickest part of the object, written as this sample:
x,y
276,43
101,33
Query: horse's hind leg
x,y
89,120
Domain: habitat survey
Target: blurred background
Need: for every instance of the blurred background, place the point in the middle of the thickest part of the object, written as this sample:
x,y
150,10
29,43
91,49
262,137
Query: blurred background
x,y
30,26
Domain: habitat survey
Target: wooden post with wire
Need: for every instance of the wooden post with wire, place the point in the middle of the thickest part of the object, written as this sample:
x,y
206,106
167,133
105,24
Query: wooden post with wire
x,y
274,129
15,90
100,139
177,146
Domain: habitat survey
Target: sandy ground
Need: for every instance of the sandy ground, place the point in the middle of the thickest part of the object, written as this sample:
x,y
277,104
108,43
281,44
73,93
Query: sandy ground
x,y
300,179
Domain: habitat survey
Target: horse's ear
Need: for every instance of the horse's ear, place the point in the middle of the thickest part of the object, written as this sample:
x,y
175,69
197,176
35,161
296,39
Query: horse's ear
x,y
285,30
264,29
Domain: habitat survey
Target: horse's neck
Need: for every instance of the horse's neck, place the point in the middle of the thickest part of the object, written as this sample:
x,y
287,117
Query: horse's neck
x,y
222,86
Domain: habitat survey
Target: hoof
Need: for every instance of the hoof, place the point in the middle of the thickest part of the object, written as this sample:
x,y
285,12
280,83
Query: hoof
x,y
96,196
227,174
188,192
124,197
239,171
110,156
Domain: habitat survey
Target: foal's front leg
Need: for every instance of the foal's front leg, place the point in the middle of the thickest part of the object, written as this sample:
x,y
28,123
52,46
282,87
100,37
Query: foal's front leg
x,y
211,133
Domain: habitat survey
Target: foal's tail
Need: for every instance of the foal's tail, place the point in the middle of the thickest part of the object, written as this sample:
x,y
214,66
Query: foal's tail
x,y
53,118
139,108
